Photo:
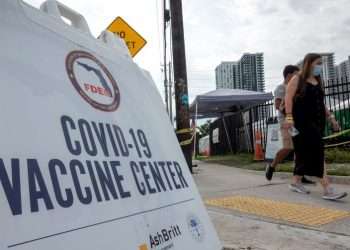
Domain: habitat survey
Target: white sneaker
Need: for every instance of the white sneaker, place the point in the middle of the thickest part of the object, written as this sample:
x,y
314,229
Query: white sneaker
x,y
332,195
298,188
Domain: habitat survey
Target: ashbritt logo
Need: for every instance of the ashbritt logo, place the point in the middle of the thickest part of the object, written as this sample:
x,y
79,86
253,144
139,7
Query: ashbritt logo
x,y
164,236
195,227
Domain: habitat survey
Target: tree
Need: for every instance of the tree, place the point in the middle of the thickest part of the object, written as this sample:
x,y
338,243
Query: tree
x,y
204,129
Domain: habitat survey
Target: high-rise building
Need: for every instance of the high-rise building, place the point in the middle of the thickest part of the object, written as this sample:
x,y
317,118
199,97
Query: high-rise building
x,y
252,75
328,67
247,73
343,71
226,75
342,89
328,71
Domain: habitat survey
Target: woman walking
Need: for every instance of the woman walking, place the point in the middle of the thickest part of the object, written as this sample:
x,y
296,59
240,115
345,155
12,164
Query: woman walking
x,y
306,116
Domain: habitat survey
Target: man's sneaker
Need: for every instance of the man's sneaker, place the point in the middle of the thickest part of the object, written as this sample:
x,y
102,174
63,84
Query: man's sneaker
x,y
307,181
332,195
298,188
269,172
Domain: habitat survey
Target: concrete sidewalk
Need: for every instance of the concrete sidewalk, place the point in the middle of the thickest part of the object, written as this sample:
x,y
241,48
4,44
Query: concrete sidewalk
x,y
239,229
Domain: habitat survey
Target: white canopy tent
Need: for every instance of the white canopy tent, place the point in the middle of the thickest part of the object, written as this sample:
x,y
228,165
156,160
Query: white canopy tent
x,y
222,102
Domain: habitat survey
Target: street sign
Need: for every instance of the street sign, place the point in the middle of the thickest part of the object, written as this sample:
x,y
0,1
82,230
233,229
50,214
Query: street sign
x,y
132,38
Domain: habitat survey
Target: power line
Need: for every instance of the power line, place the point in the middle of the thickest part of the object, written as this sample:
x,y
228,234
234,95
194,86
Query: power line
x,y
165,57
171,67
159,37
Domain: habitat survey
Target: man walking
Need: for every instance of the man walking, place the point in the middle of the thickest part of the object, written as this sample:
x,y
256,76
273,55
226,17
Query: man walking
x,y
280,92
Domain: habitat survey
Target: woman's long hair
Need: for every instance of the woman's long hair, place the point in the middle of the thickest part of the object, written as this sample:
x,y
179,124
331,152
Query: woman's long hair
x,y
306,72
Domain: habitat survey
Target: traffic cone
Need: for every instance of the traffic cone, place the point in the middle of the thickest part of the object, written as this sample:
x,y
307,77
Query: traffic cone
x,y
258,151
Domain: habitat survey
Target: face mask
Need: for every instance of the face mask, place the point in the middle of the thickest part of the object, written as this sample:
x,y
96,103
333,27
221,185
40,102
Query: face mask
x,y
317,70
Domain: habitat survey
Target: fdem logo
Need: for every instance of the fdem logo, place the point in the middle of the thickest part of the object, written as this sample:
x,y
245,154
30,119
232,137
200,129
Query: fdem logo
x,y
92,80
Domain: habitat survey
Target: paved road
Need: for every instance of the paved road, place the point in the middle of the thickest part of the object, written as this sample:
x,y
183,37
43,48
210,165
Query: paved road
x,y
239,230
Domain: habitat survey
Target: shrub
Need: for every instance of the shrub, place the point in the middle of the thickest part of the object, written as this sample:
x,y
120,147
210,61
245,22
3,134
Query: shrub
x,y
337,155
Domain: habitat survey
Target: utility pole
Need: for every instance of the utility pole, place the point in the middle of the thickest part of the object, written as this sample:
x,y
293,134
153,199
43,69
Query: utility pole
x,y
165,57
170,95
180,79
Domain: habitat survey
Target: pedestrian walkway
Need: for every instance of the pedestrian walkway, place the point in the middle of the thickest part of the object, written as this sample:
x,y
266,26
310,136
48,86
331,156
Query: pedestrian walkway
x,y
251,213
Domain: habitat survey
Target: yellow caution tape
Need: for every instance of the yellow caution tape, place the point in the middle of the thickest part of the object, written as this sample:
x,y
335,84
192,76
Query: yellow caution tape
x,y
187,142
184,131
337,144
336,134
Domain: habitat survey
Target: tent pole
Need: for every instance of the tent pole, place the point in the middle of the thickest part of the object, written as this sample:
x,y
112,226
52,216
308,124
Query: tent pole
x,y
227,136
195,131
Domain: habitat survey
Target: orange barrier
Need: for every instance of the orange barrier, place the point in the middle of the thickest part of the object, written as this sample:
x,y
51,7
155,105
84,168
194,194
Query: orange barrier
x,y
258,151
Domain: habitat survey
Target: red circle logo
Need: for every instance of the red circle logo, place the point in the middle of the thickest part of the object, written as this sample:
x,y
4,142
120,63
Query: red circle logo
x,y
92,80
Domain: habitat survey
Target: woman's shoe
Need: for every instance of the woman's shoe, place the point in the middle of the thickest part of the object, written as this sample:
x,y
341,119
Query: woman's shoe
x,y
332,195
269,172
298,188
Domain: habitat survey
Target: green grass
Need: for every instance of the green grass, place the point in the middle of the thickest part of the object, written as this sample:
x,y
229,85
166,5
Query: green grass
x,y
243,158
338,162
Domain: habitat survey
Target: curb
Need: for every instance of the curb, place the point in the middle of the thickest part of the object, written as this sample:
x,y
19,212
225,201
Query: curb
x,y
343,180
239,248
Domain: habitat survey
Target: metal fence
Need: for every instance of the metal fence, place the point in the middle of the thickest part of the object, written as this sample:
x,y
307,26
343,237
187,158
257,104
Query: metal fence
x,y
240,129
243,126
337,99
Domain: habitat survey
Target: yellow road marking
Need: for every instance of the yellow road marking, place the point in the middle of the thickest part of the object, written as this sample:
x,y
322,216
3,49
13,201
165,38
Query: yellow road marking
x,y
290,212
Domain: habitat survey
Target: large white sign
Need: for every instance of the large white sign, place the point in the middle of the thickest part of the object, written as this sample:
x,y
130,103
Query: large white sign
x,y
274,141
204,145
88,159
216,136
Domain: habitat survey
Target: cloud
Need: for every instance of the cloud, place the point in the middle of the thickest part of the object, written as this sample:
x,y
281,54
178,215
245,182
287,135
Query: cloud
x,y
346,23
268,11
223,30
267,7
308,6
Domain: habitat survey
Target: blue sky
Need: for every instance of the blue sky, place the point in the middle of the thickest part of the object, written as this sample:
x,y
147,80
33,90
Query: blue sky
x,y
223,30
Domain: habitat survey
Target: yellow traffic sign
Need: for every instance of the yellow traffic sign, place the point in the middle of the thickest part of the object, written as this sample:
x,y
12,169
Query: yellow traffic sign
x,y
132,38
